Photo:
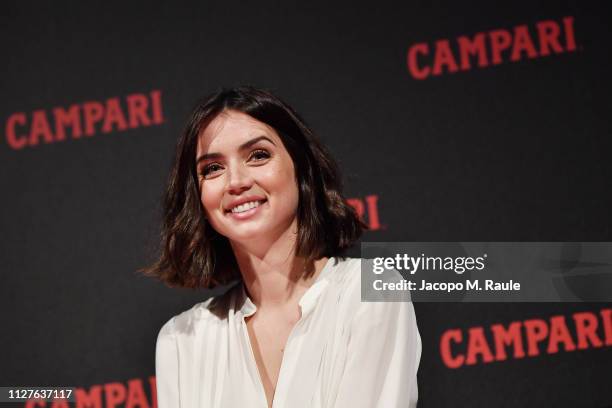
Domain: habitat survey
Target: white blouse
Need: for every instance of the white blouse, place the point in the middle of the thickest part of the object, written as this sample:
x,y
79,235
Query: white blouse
x,y
341,353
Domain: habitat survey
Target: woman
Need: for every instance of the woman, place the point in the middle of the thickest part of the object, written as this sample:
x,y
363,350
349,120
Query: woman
x,y
254,197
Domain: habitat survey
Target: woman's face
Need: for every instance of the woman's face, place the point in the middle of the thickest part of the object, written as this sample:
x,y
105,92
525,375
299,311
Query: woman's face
x,y
247,178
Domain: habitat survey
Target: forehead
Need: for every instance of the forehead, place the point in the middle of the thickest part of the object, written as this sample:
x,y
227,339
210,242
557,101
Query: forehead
x,y
232,128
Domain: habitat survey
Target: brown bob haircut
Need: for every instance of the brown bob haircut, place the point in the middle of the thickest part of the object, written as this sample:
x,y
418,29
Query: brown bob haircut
x,y
193,254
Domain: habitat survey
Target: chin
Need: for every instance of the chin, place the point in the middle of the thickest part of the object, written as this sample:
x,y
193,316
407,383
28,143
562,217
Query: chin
x,y
246,235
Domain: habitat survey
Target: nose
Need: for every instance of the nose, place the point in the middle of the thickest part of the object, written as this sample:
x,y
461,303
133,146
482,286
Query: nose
x,y
239,179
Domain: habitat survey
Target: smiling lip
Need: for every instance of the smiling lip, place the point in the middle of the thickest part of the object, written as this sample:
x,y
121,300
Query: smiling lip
x,y
243,200
248,213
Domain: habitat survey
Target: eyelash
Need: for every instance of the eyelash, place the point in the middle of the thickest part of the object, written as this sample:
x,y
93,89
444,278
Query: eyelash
x,y
206,170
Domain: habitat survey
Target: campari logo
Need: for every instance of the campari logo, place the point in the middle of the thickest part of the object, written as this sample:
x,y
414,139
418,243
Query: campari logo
x,y
526,338
492,47
135,393
83,120
367,209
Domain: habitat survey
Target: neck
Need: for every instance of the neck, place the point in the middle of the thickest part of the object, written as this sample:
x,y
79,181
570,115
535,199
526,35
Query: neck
x,y
274,276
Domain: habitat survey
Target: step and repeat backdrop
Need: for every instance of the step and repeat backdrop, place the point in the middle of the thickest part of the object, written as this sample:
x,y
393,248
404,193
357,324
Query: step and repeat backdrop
x,y
450,122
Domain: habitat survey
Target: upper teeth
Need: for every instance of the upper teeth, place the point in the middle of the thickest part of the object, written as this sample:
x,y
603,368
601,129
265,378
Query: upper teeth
x,y
245,206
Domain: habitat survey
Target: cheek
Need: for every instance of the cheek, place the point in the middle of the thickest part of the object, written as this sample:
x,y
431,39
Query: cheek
x,y
281,178
287,184
210,197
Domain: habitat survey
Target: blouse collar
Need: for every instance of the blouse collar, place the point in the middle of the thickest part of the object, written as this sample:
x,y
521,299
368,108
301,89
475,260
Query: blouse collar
x,y
308,300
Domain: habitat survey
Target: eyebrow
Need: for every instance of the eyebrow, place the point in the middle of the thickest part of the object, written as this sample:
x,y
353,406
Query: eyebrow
x,y
242,147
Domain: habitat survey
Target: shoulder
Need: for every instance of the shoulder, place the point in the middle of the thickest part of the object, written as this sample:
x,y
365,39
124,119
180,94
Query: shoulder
x,y
205,313
345,285
345,274
347,279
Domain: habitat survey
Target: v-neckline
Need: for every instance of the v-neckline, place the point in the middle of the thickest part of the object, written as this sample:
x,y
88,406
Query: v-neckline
x,y
306,303
257,367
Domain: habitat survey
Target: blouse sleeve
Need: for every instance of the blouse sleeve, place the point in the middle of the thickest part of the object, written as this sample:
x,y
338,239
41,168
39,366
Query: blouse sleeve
x,y
166,367
384,349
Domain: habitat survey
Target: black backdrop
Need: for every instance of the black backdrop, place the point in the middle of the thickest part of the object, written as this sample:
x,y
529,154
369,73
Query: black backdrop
x,y
512,152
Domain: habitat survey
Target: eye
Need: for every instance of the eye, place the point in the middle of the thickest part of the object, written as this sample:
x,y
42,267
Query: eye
x,y
210,168
259,155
